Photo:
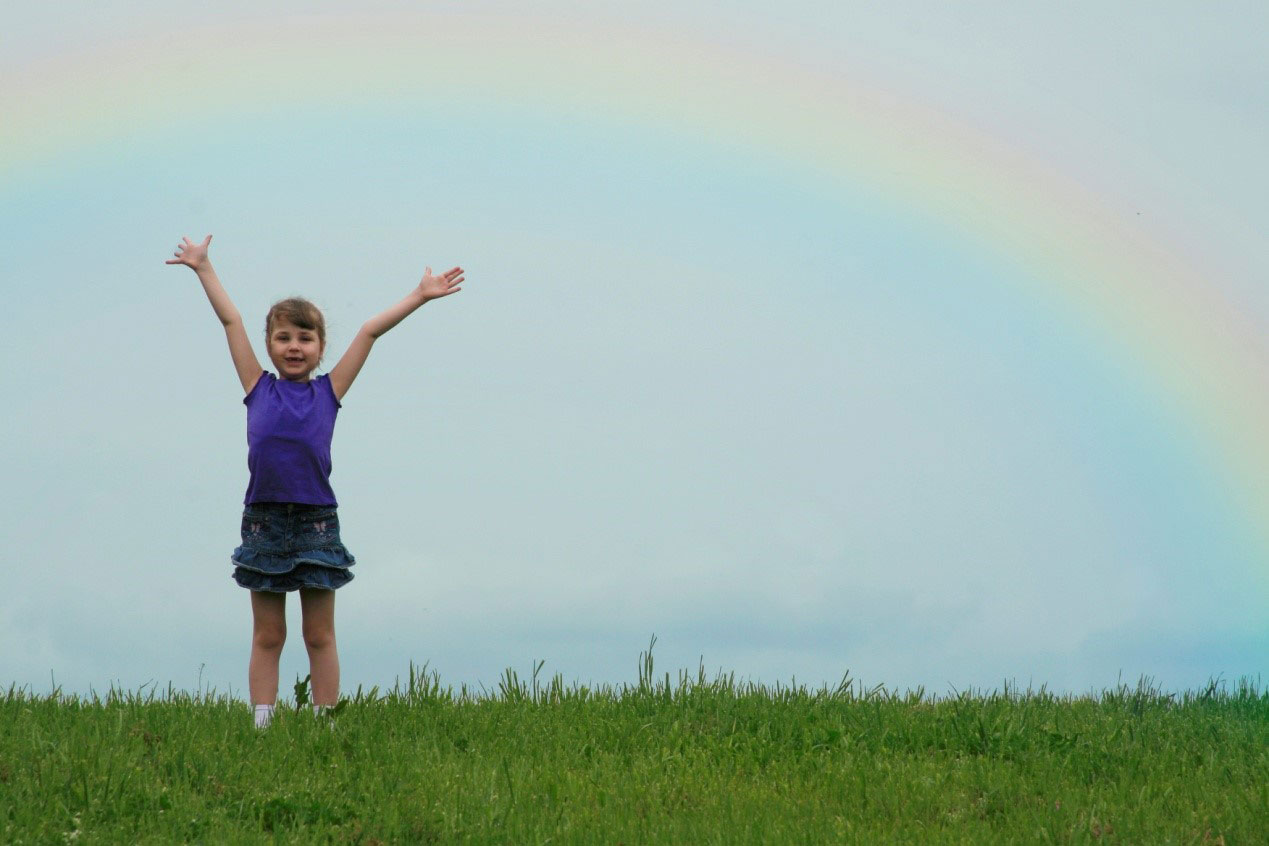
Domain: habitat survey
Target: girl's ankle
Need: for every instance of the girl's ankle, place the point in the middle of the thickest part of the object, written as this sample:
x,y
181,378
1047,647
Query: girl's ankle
x,y
264,716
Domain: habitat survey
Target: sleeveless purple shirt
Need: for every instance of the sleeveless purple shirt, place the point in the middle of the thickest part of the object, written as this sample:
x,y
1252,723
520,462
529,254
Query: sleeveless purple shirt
x,y
289,429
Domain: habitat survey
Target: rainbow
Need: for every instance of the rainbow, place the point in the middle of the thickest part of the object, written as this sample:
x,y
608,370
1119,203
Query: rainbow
x,y
1153,300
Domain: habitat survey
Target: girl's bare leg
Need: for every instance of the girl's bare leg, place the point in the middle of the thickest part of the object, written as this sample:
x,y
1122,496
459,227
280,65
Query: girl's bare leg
x,y
268,611
319,637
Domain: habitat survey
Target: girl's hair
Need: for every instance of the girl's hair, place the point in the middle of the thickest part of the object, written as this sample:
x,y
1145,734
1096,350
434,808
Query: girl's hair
x,y
299,311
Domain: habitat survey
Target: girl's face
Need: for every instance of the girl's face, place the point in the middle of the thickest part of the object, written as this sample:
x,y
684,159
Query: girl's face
x,y
294,350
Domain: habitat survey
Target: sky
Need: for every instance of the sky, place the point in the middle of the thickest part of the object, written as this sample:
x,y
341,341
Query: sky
x,y
924,343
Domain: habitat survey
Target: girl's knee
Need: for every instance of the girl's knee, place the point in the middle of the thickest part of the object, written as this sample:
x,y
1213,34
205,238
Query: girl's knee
x,y
319,637
269,639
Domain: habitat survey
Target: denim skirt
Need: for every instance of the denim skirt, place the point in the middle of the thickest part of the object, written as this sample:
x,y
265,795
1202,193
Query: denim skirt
x,y
287,546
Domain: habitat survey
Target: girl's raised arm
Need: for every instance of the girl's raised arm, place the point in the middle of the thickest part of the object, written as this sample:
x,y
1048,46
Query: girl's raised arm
x,y
245,361
431,288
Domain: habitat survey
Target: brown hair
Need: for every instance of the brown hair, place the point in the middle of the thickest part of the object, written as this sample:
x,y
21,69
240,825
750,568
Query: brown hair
x,y
299,311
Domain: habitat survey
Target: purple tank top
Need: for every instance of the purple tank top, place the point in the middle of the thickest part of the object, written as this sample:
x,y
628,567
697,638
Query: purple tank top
x,y
289,428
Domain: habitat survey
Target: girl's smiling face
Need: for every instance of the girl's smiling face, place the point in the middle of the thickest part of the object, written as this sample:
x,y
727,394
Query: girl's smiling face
x,y
294,350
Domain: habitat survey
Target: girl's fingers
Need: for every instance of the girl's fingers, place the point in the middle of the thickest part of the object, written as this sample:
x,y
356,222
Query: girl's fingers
x,y
206,240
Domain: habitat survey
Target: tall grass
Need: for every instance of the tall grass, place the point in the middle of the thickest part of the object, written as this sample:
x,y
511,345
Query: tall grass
x,y
687,759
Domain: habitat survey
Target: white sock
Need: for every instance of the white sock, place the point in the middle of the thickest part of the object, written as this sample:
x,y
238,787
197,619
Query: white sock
x,y
318,710
264,716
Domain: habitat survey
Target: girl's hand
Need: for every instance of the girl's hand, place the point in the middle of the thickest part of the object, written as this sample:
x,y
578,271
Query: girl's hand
x,y
447,283
194,255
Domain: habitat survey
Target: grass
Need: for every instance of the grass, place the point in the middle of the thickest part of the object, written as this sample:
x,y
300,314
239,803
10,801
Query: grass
x,y
685,761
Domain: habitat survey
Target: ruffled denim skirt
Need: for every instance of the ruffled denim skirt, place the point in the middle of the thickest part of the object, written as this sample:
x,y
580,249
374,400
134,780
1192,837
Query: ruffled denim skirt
x,y
287,546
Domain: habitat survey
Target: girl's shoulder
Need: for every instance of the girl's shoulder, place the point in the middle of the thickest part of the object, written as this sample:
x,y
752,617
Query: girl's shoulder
x,y
323,385
262,383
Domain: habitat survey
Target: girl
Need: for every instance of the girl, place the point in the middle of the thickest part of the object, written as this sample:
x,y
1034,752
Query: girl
x,y
290,529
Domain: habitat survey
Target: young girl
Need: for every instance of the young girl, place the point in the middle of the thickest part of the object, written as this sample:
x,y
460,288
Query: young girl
x,y
290,529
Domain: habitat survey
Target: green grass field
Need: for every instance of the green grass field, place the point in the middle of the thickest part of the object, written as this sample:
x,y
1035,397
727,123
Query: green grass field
x,y
662,761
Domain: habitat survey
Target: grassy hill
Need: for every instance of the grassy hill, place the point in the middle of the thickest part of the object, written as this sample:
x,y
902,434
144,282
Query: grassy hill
x,y
689,761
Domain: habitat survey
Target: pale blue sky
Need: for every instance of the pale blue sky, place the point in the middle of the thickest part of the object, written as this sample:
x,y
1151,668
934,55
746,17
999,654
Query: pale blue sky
x,y
688,389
